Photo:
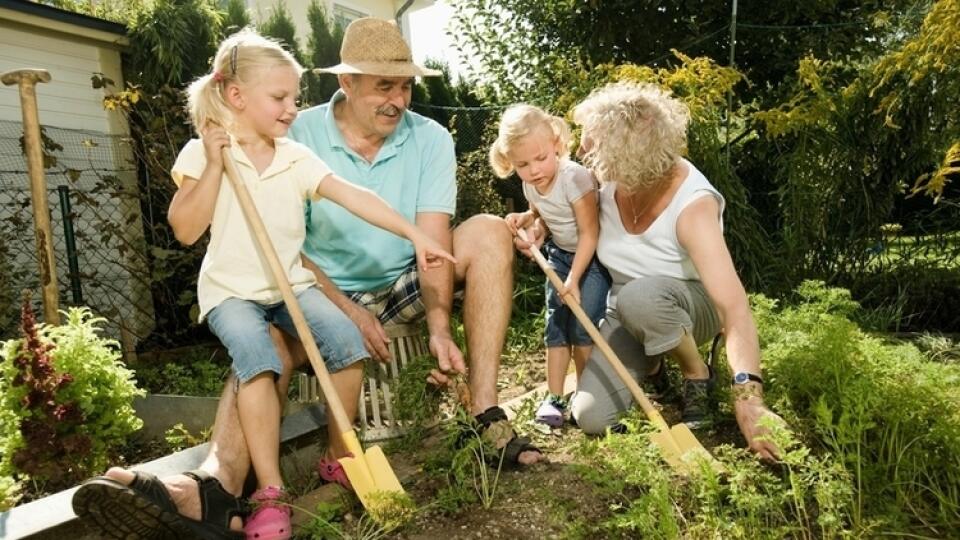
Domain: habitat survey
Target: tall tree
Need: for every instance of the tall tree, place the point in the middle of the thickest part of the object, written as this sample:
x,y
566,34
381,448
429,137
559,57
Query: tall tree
x,y
236,17
279,25
522,43
323,46
171,42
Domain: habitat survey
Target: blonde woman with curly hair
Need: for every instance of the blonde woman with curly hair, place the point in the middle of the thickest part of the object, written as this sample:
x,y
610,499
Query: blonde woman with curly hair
x,y
674,282
563,194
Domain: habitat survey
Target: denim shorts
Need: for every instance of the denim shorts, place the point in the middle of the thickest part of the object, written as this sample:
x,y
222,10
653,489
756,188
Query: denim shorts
x,y
563,328
243,326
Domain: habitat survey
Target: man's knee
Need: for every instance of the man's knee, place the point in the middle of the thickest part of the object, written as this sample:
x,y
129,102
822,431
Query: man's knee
x,y
485,235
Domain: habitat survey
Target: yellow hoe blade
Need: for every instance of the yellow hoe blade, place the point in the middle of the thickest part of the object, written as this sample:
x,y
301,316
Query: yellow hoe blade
x,y
369,472
681,449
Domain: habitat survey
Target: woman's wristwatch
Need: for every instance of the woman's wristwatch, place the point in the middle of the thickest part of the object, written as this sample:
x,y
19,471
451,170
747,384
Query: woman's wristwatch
x,y
747,385
743,377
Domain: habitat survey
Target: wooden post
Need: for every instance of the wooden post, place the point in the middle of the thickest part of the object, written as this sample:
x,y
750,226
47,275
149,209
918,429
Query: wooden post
x,y
27,80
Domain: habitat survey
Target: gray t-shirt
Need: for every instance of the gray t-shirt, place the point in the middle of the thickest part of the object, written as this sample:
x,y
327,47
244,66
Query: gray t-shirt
x,y
556,207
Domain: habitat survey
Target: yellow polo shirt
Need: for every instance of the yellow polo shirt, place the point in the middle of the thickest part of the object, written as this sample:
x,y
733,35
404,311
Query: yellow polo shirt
x,y
233,265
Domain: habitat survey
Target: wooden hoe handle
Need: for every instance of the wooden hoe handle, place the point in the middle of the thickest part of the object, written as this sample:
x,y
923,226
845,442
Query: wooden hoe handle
x,y
293,306
598,340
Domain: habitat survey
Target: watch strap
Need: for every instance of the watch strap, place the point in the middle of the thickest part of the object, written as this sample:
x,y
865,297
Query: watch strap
x,y
749,377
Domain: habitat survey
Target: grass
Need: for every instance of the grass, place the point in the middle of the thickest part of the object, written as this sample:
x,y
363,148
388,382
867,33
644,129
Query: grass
x,y
940,250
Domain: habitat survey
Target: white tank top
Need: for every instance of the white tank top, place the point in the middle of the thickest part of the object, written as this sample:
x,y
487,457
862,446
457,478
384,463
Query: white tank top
x,y
655,252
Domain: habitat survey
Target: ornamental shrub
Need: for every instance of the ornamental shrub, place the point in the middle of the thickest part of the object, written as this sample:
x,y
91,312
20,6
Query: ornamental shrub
x,y
66,400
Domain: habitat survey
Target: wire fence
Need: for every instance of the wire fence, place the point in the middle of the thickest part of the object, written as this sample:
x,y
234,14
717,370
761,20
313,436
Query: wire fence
x,y
99,246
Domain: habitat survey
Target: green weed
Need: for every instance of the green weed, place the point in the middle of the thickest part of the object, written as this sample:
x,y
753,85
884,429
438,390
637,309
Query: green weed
x,y
416,402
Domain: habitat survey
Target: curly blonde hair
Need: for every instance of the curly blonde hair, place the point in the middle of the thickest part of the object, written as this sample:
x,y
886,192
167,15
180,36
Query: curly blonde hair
x,y
518,122
638,133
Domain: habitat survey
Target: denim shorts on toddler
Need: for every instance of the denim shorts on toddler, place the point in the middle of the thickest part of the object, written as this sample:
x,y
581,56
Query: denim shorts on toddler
x,y
563,328
243,326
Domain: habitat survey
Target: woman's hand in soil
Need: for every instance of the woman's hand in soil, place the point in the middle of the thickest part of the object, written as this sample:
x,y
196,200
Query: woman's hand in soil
x,y
748,413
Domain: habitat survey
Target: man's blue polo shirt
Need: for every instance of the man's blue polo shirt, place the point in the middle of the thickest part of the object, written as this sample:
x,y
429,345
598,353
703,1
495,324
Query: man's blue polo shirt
x,y
414,171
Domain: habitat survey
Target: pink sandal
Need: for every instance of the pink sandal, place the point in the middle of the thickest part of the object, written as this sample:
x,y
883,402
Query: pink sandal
x,y
331,471
271,518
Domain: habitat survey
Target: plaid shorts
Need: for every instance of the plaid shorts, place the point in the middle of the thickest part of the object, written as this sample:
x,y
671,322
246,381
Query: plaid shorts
x,y
399,303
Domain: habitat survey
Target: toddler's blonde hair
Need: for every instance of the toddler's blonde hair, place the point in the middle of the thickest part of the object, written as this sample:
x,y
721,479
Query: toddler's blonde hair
x,y
638,131
240,60
519,121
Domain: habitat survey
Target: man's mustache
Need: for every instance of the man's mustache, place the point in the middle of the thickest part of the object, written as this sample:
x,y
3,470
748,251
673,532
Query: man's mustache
x,y
389,110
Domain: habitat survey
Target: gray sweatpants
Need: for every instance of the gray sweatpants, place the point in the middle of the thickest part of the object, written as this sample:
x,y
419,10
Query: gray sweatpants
x,y
649,318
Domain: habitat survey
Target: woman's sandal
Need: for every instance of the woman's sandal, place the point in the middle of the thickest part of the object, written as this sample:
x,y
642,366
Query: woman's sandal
x,y
144,509
270,519
495,429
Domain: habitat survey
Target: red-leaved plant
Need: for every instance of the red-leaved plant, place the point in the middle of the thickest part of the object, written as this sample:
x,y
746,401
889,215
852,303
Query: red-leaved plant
x,y
49,428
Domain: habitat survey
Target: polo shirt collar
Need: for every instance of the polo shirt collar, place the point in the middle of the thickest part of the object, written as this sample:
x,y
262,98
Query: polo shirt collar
x,y
283,157
390,145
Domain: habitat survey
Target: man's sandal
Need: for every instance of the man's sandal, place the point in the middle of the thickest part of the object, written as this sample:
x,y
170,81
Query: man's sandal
x,y
144,509
495,429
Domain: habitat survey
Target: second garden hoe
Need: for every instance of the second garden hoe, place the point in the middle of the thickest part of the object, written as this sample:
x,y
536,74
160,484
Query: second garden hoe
x,y
369,472
679,446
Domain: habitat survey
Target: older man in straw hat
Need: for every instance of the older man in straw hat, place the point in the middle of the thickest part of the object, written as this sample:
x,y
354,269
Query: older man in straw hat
x,y
367,135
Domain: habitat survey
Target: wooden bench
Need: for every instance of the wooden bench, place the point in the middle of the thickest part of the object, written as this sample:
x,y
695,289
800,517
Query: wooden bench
x,y
375,408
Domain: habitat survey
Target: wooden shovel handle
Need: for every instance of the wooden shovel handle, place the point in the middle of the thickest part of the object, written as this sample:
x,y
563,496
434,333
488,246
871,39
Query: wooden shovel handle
x,y
598,340
293,306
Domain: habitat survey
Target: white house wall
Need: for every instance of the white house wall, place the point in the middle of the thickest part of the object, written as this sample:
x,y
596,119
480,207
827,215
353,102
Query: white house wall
x,y
382,9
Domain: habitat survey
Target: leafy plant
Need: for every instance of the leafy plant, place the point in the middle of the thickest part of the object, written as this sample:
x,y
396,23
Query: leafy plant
x,y
889,415
192,375
179,437
68,396
9,492
416,402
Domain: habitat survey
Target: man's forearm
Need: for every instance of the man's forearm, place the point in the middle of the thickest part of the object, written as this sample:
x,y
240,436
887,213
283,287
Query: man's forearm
x,y
436,284
436,288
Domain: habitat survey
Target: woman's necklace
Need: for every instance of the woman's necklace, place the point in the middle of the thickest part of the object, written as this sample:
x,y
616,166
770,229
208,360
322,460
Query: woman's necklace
x,y
633,208
652,196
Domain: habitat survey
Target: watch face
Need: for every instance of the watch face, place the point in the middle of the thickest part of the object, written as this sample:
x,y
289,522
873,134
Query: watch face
x,y
741,378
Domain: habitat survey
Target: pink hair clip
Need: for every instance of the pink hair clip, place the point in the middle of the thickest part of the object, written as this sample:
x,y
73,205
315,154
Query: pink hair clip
x,y
217,76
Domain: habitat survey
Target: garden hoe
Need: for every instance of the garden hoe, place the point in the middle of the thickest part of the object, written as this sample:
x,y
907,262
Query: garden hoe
x,y
679,446
369,472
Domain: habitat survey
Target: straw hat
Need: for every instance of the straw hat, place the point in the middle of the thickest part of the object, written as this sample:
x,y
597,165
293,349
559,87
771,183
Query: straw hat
x,y
376,47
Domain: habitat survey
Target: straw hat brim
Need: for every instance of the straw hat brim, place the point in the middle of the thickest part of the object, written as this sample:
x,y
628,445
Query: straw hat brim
x,y
383,69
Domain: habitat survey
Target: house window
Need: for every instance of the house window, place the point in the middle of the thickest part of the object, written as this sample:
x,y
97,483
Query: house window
x,y
343,16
